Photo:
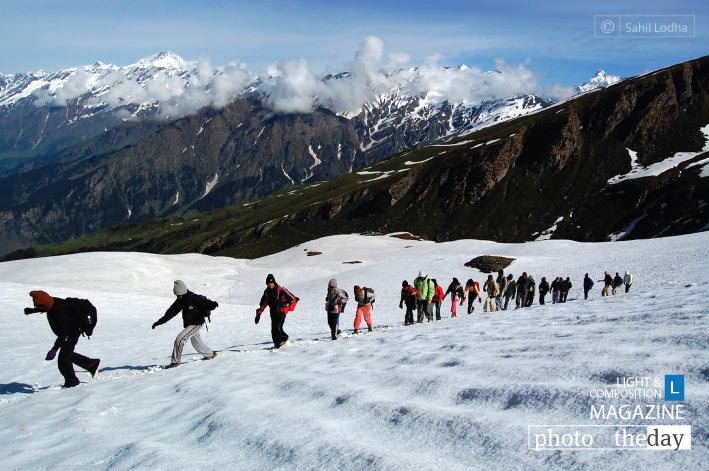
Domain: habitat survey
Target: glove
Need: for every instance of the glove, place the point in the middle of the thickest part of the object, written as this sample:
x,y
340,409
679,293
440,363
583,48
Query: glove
x,y
258,317
155,324
480,300
215,305
51,354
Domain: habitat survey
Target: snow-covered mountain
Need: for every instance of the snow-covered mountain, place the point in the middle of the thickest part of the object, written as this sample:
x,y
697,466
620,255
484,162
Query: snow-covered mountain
x,y
600,80
42,113
457,394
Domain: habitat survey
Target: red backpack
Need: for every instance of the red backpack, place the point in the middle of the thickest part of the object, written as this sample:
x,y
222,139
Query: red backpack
x,y
287,307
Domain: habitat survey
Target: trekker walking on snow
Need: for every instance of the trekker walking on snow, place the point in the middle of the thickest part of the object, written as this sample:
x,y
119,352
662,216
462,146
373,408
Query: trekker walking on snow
x,y
628,280
555,290
438,296
543,290
587,285
472,291
364,298
608,283
617,283
425,288
63,320
409,295
335,302
194,309
492,290
511,290
457,295
532,291
566,287
502,283
522,290
280,302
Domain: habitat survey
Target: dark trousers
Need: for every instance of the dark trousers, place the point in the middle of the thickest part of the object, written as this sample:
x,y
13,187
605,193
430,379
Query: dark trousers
x,y
422,309
585,292
541,298
471,299
278,335
409,316
68,358
332,318
437,305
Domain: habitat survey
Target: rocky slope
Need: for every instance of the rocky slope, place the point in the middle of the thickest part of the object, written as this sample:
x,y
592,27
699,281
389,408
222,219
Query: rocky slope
x,y
629,161
105,154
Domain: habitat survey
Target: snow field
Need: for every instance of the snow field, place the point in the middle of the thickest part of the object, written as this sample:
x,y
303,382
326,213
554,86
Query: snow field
x,y
454,394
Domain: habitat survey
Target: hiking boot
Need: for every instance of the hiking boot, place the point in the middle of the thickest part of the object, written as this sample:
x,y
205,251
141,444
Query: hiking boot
x,y
334,337
454,315
369,329
93,368
355,332
172,365
68,385
212,356
339,331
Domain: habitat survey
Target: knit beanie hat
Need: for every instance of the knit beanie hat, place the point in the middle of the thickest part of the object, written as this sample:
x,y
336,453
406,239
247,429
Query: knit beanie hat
x,y
404,284
180,288
357,289
270,279
332,283
42,300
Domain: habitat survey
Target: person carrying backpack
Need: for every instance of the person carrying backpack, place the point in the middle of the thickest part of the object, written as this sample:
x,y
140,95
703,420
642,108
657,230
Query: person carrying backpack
x,y
502,282
472,291
587,285
364,298
457,296
280,302
438,296
492,289
607,283
510,290
617,283
64,320
566,288
409,295
628,280
543,289
424,286
522,290
335,301
194,308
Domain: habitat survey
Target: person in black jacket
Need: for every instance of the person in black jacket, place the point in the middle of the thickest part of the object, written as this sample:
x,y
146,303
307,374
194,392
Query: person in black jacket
x,y
543,289
278,300
194,309
64,324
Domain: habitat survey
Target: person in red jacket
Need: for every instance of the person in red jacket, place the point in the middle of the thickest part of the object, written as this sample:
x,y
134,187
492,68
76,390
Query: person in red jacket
x,y
62,321
438,295
279,300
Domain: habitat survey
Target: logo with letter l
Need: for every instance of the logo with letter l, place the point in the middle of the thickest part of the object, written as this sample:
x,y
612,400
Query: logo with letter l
x,y
674,387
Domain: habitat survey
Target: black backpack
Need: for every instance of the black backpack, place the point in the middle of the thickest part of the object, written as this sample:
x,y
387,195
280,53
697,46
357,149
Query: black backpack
x,y
85,314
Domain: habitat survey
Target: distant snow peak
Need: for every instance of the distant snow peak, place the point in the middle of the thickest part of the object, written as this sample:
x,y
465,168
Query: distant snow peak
x,y
163,60
600,80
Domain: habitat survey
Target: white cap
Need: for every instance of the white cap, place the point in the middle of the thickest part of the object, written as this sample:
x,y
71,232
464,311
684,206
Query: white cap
x,y
422,274
180,288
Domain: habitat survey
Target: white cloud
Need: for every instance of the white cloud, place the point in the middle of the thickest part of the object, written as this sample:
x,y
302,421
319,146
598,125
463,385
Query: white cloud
x,y
292,87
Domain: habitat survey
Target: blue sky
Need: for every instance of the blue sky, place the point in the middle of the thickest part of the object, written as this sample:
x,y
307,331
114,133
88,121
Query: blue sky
x,y
557,38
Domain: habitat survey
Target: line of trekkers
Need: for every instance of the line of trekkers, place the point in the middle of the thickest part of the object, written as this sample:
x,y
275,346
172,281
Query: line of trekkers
x,y
71,318
426,295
